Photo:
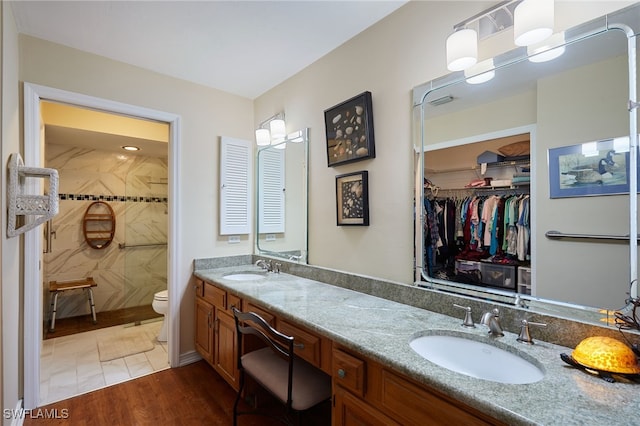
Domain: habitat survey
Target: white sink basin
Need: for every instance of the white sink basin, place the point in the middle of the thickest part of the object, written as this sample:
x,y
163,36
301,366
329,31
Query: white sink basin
x,y
476,359
245,276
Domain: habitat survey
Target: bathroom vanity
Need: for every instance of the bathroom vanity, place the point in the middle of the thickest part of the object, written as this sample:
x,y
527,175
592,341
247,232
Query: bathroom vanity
x,y
362,341
360,383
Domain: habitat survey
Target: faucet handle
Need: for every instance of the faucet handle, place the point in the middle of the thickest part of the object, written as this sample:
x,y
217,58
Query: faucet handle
x,y
468,320
525,336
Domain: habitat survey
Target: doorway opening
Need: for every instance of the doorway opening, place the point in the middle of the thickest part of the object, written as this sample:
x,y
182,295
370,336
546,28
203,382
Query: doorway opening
x,y
159,196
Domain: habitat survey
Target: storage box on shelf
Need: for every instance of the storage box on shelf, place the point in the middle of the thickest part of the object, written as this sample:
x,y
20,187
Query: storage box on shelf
x,y
524,280
497,275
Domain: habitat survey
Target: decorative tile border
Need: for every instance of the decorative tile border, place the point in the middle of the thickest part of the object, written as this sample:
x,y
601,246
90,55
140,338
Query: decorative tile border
x,y
123,198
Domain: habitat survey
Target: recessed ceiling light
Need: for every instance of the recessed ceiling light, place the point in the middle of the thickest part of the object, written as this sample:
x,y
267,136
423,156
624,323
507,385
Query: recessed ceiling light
x,y
131,148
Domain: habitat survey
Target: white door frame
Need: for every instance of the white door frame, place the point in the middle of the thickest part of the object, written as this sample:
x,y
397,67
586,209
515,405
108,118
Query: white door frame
x,y
33,312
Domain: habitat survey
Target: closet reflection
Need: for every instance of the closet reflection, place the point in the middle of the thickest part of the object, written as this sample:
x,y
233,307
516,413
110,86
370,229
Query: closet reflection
x,y
479,216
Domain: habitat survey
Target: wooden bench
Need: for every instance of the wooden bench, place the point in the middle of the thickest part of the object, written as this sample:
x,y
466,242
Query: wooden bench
x,y
56,288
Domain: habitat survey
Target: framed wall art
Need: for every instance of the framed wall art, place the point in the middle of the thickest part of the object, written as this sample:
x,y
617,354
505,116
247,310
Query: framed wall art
x,y
593,168
352,199
349,128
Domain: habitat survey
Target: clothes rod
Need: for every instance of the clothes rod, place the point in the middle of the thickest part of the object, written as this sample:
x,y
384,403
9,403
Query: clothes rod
x,y
123,246
558,235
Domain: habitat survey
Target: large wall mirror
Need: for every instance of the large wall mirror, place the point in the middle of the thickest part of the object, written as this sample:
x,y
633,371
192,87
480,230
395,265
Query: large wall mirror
x,y
547,141
282,196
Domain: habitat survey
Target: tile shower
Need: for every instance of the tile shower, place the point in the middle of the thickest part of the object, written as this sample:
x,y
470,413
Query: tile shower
x,y
136,189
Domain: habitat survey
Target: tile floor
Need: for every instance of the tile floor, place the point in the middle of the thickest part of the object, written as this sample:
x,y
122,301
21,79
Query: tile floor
x,y
70,365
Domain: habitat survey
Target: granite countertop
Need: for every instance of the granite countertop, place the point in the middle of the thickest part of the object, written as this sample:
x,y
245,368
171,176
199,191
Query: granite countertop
x,y
381,329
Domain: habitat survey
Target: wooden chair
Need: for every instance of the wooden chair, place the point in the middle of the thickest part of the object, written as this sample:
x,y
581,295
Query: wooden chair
x,y
293,381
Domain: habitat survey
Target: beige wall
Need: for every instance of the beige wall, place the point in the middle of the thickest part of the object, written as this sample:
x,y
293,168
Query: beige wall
x,y
11,256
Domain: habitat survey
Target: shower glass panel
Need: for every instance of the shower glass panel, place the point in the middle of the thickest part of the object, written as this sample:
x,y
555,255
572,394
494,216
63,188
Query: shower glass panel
x,y
145,231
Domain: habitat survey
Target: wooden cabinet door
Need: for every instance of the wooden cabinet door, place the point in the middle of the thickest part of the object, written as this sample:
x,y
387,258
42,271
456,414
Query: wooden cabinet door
x,y
204,329
226,348
352,411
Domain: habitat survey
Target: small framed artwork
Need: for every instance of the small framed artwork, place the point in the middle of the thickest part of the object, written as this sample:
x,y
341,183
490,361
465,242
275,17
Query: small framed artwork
x,y
349,128
592,168
352,199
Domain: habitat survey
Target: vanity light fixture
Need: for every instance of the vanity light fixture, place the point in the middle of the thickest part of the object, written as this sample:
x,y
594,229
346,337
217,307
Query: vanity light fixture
x,y
272,131
547,50
462,49
263,137
130,148
296,136
621,144
480,72
590,149
532,22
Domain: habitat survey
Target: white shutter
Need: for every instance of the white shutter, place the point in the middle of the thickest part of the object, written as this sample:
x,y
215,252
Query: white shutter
x,y
235,186
271,191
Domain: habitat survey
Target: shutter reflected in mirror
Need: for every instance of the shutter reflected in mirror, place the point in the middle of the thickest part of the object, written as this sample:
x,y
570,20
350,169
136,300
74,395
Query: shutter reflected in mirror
x,y
235,186
271,191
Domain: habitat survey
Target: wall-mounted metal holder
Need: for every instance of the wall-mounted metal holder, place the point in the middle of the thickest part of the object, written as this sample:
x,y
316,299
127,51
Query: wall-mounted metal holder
x,y
34,209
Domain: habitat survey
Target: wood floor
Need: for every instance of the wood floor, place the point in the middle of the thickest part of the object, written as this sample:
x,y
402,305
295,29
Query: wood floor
x,y
79,324
190,395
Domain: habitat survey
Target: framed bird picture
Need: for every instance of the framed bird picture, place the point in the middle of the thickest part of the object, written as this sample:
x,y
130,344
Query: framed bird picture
x,y
591,168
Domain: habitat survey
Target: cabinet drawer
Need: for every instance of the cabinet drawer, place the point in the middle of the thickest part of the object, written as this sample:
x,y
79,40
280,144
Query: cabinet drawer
x,y
348,372
268,317
199,288
307,346
233,301
215,296
412,404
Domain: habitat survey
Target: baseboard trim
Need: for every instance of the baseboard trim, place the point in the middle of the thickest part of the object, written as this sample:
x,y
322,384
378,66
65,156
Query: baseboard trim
x,y
189,358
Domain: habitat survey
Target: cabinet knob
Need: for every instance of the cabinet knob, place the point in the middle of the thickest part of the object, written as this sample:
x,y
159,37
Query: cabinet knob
x,y
298,345
341,373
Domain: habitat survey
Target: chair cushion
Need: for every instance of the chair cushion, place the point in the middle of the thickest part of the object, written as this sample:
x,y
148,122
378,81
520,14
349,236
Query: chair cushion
x,y
310,385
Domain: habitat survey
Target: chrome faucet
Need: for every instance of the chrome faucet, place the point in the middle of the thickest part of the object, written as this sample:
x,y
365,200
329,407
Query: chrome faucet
x,y
525,335
265,264
492,320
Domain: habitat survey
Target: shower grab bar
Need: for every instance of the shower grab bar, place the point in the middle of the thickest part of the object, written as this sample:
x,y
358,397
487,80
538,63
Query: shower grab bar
x,y
123,246
558,235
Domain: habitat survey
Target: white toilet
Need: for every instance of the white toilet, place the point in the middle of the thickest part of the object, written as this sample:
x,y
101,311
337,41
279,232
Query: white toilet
x,y
160,305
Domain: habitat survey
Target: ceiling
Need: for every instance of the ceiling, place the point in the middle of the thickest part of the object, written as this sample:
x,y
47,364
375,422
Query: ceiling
x,y
240,47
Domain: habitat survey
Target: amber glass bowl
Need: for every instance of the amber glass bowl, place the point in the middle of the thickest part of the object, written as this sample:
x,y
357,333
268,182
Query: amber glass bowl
x,y
606,354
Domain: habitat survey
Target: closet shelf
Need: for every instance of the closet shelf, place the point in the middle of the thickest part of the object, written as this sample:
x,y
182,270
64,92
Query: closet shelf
x,y
514,186
514,163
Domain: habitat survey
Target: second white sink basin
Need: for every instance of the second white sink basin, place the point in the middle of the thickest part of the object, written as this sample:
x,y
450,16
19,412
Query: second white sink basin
x,y
476,359
245,276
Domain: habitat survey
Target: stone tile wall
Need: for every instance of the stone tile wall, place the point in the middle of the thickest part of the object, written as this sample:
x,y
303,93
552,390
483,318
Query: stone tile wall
x,y
136,189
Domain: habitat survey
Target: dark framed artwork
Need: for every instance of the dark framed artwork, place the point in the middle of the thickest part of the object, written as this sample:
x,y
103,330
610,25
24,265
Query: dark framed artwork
x,y
349,128
352,199
595,168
